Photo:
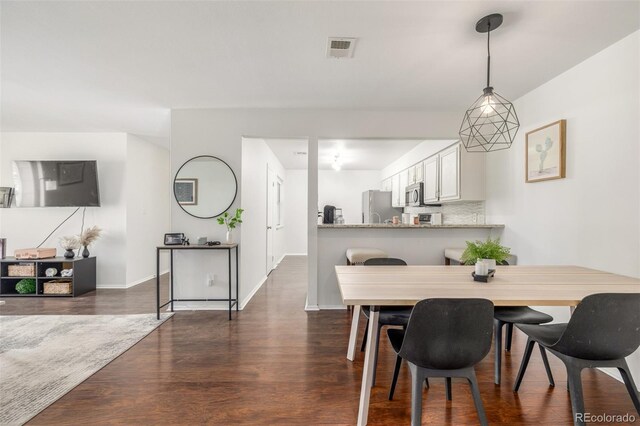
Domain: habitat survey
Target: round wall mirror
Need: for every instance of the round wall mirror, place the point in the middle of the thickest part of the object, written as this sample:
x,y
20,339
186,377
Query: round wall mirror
x,y
205,186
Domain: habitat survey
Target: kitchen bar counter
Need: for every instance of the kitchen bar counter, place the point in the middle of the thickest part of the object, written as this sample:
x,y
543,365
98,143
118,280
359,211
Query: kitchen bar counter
x,y
416,244
404,226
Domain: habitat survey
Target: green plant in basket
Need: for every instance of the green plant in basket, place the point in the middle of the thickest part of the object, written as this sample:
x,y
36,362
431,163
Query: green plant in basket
x,y
26,286
490,249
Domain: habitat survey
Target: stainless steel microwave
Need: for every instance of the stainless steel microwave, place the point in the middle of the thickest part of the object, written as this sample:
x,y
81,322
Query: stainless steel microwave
x,y
414,195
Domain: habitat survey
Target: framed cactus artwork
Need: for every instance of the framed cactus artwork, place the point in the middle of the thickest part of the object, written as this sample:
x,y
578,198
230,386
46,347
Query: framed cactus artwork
x,y
545,152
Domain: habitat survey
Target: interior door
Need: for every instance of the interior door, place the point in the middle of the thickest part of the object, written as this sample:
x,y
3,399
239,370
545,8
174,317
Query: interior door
x,y
431,179
271,200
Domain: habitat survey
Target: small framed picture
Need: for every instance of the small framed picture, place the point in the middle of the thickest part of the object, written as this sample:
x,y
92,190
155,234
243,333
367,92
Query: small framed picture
x,y
173,239
186,190
545,152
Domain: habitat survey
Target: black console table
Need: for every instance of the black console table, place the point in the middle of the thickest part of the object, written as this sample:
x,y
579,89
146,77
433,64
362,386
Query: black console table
x,y
82,281
228,247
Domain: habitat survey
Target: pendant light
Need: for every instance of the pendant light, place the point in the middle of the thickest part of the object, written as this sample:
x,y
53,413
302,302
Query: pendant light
x,y
491,123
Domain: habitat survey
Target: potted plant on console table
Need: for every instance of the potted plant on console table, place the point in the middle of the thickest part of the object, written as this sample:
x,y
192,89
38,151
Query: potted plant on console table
x,y
490,251
230,222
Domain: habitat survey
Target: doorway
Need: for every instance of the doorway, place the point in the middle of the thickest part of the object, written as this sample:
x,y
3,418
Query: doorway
x,y
271,222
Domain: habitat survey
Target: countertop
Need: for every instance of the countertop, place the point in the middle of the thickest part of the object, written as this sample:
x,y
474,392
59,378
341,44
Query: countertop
x,y
403,226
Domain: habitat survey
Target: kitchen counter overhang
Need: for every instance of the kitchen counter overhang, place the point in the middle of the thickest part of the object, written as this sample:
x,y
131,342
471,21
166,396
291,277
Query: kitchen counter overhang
x,y
405,226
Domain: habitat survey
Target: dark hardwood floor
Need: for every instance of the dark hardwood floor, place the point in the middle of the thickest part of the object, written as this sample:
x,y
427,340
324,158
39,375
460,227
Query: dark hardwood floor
x,y
277,364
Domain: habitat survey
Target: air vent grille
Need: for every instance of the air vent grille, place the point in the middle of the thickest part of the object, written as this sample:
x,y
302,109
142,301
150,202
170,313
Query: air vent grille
x,y
340,44
340,47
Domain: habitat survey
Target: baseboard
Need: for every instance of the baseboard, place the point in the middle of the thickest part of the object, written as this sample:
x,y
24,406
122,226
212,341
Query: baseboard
x,y
252,293
279,260
111,286
612,372
295,254
308,307
331,307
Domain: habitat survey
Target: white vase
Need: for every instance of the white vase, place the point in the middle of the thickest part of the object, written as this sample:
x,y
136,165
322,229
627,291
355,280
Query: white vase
x,y
229,237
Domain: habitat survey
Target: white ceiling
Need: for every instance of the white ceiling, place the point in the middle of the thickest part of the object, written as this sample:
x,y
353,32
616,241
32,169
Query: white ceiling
x,y
355,154
121,66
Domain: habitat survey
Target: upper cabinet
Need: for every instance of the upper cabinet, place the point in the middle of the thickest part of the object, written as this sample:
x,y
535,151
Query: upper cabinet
x,y
386,185
431,179
449,164
452,174
460,174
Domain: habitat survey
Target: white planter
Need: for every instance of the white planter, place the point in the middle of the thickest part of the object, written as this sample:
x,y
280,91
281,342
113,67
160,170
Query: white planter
x,y
491,263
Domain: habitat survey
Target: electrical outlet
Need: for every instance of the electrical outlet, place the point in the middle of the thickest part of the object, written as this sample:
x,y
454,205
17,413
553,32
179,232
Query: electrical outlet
x,y
210,280
475,218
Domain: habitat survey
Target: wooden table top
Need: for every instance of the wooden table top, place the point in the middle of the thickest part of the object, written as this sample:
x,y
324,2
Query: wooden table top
x,y
198,247
511,286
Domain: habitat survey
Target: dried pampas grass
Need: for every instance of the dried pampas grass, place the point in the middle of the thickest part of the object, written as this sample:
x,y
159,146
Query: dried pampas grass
x,y
70,242
90,235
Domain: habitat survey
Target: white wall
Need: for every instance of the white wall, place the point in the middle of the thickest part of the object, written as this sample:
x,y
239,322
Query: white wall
x,y
220,131
344,189
420,152
27,227
148,206
592,217
295,212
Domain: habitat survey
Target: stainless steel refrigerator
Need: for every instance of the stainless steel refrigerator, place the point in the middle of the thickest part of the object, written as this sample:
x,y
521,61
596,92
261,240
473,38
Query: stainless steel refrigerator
x,y
376,207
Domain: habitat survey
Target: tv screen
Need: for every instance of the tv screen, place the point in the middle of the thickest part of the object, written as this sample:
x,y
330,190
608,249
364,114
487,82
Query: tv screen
x,y
56,183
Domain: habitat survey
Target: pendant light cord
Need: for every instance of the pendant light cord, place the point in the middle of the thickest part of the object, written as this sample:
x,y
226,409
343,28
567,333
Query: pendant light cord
x,y
488,54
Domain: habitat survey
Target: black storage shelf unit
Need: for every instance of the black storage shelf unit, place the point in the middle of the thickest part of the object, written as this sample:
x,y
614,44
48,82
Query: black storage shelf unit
x,y
82,281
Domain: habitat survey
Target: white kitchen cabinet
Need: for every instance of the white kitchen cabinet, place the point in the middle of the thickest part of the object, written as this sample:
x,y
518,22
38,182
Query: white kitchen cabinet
x,y
386,185
419,172
395,191
411,175
431,181
449,160
404,181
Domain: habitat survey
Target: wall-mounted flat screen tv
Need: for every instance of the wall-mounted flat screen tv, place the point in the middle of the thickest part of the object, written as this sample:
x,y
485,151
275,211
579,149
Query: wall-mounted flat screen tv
x,y
56,183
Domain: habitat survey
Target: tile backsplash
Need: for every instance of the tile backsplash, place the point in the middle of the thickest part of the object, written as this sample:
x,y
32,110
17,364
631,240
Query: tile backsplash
x,y
469,212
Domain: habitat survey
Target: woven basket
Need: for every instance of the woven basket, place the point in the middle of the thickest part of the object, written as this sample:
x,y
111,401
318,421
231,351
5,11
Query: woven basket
x,y
57,287
22,270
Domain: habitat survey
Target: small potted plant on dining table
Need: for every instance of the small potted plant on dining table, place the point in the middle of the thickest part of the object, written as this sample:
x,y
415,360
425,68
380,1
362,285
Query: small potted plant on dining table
x,y
490,251
230,221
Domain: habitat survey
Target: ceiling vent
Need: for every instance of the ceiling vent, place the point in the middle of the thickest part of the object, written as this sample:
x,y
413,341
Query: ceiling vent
x,y
340,47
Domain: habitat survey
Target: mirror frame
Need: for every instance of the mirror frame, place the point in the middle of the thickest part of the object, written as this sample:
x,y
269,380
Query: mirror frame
x,y
235,195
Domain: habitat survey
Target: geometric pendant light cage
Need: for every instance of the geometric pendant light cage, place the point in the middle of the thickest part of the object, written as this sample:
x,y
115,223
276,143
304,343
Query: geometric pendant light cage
x,y
491,123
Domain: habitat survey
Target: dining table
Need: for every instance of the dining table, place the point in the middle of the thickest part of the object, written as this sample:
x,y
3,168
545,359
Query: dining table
x,y
539,285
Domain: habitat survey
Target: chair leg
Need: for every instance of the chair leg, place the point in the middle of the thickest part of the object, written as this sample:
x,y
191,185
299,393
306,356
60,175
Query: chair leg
x,y
447,384
396,371
545,360
497,328
477,400
426,382
417,378
575,393
364,338
631,386
375,358
507,344
524,363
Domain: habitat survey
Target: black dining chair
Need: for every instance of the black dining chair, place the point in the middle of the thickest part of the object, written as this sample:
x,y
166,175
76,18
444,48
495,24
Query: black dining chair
x,y
444,338
603,330
510,315
389,315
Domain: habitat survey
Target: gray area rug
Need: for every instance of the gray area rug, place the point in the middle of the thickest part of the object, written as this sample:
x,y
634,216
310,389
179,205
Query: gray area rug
x,y
42,357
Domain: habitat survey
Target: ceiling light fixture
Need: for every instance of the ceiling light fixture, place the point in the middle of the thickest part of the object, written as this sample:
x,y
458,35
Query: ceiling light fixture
x,y
491,123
